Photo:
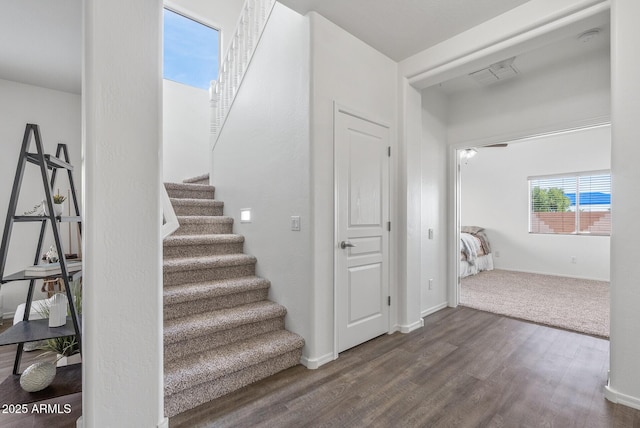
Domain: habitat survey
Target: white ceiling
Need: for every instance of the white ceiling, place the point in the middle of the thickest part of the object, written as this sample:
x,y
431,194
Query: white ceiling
x,y
403,28
548,56
41,40
41,43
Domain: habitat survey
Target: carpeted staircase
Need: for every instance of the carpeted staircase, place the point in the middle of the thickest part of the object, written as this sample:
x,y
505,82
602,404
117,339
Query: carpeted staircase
x,y
220,331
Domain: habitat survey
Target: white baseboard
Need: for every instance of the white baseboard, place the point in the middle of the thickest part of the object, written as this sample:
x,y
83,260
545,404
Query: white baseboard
x,y
413,326
314,363
434,309
619,398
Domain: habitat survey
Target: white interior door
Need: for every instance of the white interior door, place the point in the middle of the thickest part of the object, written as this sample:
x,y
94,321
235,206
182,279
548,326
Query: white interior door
x,y
362,244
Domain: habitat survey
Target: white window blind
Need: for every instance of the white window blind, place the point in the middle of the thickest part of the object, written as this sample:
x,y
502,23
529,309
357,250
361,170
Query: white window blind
x,y
577,203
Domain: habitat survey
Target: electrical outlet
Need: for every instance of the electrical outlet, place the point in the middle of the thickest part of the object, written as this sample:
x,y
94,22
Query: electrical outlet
x,y
497,253
573,260
430,233
431,284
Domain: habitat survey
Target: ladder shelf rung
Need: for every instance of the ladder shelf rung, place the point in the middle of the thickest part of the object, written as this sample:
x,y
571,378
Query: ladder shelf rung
x,y
31,218
52,161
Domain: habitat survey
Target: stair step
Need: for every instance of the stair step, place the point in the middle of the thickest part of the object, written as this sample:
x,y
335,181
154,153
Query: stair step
x,y
193,225
202,332
200,378
193,326
202,245
200,179
213,295
197,207
203,269
188,190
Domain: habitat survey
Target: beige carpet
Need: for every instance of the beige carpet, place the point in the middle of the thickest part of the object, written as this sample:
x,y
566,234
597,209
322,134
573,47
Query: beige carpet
x,y
570,303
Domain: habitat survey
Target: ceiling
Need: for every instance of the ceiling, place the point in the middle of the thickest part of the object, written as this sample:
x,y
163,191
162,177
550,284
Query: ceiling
x,y
41,40
566,50
400,29
41,43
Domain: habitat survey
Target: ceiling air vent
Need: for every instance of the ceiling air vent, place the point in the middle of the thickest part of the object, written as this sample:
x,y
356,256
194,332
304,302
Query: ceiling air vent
x,y
497,72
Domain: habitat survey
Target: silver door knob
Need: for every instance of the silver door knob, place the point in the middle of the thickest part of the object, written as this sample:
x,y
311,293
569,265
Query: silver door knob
x,y
345,244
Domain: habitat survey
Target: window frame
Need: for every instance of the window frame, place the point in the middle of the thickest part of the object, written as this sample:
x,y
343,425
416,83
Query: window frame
x,y
577,176
172,7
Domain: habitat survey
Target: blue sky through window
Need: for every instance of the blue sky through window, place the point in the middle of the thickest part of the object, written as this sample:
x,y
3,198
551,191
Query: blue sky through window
x,y
190,51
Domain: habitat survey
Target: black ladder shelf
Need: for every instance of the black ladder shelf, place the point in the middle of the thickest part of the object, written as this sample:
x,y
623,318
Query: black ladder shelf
x,y
26,330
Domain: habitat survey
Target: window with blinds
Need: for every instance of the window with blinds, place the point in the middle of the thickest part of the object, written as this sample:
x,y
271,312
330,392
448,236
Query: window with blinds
x,y
578,204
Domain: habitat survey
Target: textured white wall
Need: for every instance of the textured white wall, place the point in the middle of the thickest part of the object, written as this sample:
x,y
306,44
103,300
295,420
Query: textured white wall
x,y
495,196
122,147
58,115
625,294
261,161
353,74
185,131
434,201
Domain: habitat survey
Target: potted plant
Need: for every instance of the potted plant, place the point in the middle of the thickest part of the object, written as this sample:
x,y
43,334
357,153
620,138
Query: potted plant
x,y
58,204
66,348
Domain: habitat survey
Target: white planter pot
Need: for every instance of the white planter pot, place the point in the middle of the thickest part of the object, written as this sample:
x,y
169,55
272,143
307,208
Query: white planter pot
x,y
58,209
67,361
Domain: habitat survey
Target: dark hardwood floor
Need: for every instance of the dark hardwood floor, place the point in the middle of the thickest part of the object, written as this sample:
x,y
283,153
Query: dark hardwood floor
x,y
48,413
465,368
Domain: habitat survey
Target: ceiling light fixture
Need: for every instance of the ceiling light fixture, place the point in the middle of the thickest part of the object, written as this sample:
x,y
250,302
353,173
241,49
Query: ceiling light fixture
x,y
467,154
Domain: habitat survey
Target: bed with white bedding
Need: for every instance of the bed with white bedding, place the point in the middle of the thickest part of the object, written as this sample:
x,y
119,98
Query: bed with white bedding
x,y
475,251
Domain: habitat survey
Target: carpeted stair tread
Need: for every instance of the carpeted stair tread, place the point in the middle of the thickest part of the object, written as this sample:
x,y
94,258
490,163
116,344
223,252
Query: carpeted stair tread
x,y
196,202
197,191
210,262
193,326
197,180
209,239
189,292
188,186
208,366
201,219
202,245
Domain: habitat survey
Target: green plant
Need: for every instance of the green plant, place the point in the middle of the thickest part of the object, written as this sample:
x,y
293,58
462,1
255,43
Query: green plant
x,y
58,199
67,345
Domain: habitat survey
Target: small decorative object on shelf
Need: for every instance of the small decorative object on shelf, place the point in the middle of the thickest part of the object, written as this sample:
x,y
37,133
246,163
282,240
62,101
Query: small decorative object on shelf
x,y
58,310
51,256
38,376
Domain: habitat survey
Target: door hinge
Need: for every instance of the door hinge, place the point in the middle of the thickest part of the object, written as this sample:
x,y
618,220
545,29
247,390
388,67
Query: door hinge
x,y
389,226
388,300
389,151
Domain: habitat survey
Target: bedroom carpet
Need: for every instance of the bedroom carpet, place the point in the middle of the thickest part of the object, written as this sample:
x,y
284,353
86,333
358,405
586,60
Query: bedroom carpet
x,y
574,304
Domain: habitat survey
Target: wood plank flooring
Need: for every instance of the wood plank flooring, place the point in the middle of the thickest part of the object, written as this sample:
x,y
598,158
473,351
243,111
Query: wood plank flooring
x,y
52,413
465,368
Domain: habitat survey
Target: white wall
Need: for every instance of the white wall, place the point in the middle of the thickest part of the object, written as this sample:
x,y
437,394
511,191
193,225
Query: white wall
x,y
185,131
434,201
351,73
122,147
261,161
624,385
58,115
565,93
495,196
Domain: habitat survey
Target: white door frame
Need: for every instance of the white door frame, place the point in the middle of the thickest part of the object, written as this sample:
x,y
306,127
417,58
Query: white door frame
x,y
337,109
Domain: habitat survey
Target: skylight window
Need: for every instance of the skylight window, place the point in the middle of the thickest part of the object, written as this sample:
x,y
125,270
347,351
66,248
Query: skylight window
x,y
191,51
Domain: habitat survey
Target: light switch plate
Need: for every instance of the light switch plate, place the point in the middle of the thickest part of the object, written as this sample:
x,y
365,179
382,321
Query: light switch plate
x,y
295,223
